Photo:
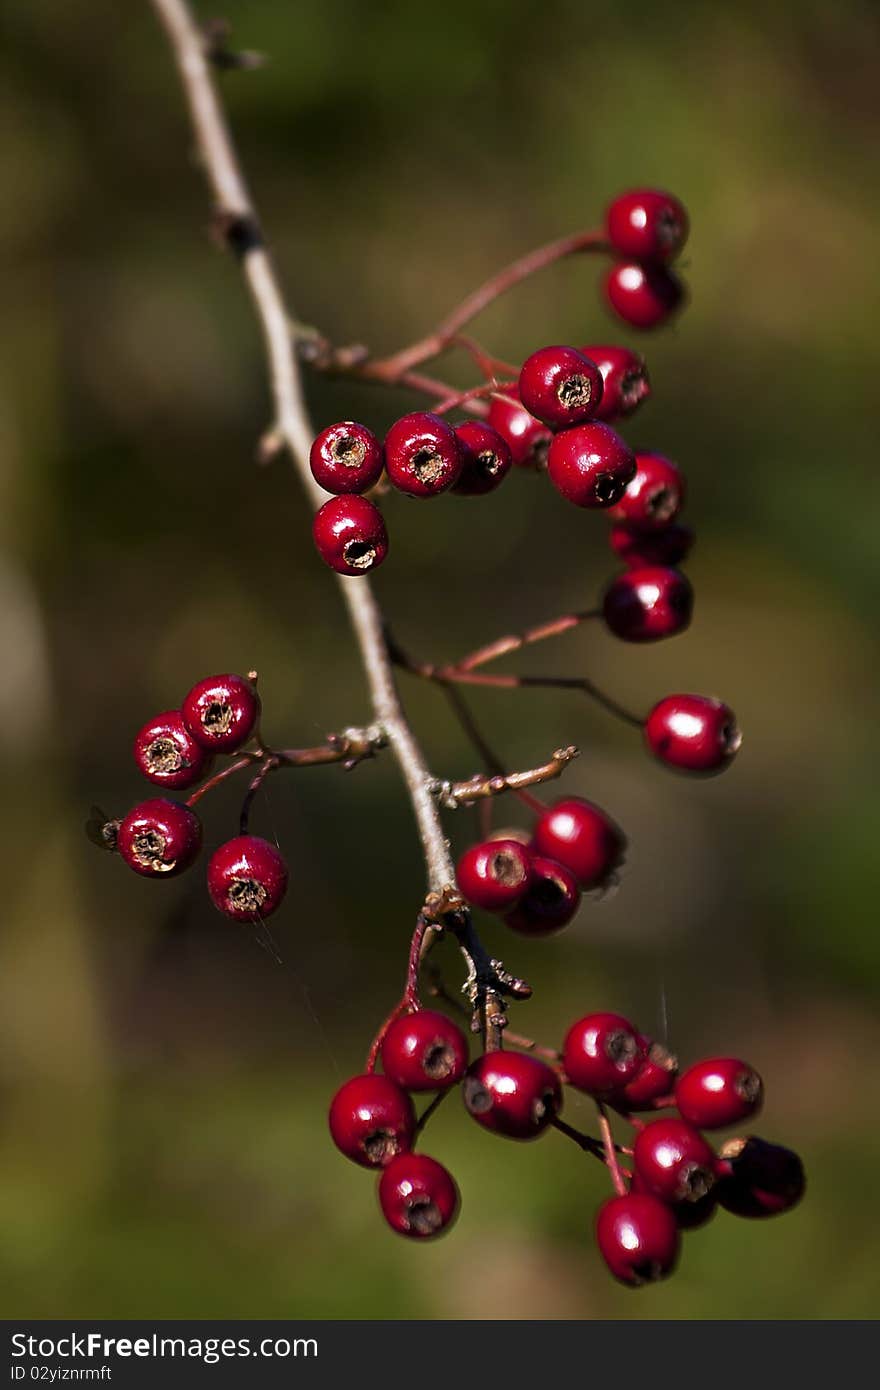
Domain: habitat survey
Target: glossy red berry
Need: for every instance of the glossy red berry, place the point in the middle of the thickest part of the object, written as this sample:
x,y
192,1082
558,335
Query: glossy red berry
x,y
418,1196
638,1238
644,296
717,1092
647,224
759,1179
494,874
693,732
371,1120
641,549
653,497
346,457
648,604
625,380
560,386
673,1161
580,836
167,754
601,1053
486,458
350,535
159,837
550,901
653,1081
247,878
527,439
590,465
422,454
424,1051
221,712
512,1094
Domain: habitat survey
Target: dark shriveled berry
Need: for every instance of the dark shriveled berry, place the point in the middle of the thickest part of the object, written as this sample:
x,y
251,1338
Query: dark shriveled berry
x,y
625,378
648,604
560,386
647,224
582,837
346,457
693,733
159,838
644,296
590,465
371,1120
350,535
512,1094
759,1179
418,1196
638,1238
422,454
494,874
717,1092
221,712
673,1161
424,1051
247,878
167,754
550,901
601,1053
486,458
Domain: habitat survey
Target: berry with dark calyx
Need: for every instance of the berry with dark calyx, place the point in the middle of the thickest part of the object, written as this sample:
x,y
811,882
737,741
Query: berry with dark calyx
x,y
486,458
580,836
247,878
693,733
422,454
654,496
550,901
350,536
673,1161
221,712
625,380
590,465
418,1196
638,1238
646,605
560,386
527,439
644,296
717,1092
647,224
167,754
346,457
424,1051
601,1053
645,548
372,1120
494,874
159,837
653,1081
759,1179
512,1094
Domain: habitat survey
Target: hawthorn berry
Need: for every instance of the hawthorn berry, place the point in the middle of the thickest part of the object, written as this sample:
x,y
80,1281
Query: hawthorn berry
x,y
512,1094
221,712
673,1161
494,874
371,1120
247,878
690,1216
601,1053
418,1196
422,454
580,836
346,457
693,732
486,458
653,1081
350,535
424,1051
590,465
653,497
560,386
646,548
159,837
647,224
759,1179
638,1238
527,439
648,604
625,380
550,901
644,296
167,754
717,1092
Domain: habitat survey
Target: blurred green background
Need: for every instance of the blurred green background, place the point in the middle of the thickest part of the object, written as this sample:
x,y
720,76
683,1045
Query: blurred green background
x,y
164,1082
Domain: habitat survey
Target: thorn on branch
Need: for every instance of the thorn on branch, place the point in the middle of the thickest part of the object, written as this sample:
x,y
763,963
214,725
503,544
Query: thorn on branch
x,y
217,33
239,232
452,795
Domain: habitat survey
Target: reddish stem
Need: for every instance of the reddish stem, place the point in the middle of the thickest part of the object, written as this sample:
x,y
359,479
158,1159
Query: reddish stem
x,y
610,1147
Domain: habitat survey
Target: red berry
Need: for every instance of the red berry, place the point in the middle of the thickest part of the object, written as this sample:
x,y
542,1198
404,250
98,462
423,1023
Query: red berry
x,y
159,837
486,458
648,604
167,754
759,1179
647,224
527,439
625,378
418,1197
422,454
690,1216
371,1120
693,732
560,386
590,465
601,1053
581,837
346,457
644,296
512,1094
654,1079
550,901
718,1091
673,1161
495,874
653,497
638,1238
646,548
424,1051
350,535
247,878
221,711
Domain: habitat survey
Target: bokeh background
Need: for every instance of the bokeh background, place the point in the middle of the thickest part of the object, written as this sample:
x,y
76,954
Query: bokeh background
x,y
164,1081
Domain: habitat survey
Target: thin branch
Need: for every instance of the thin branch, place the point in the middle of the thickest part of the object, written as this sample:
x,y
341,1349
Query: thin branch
x,y
480,787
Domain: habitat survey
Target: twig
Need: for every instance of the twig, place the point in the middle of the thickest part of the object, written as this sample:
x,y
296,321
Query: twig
x,y
480,787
